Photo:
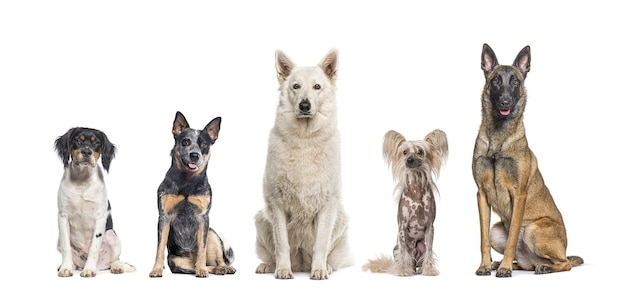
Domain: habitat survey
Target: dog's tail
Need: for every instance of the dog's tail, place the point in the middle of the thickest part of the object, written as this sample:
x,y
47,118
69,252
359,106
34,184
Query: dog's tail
x,y
380,264
221,252
229,254
575,261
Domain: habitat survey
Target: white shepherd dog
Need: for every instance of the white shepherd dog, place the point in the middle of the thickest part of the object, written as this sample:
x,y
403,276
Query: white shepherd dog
x,y
303,226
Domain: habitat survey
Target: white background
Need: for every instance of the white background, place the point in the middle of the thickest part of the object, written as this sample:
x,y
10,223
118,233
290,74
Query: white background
x,y
126,67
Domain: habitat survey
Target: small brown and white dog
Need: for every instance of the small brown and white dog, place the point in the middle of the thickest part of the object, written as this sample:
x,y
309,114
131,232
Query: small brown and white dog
x,y
415,165
87,240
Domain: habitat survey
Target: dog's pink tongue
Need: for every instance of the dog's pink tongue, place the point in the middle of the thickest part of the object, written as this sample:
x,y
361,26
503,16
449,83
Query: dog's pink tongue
x,y
505,112
192,165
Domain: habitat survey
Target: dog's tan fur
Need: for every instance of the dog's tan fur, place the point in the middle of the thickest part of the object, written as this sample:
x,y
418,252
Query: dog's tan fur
x,y
531,234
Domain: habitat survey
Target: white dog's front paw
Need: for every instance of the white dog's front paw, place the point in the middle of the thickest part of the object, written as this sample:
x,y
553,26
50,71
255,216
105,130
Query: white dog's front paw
x,y
319,274
283,274
265,268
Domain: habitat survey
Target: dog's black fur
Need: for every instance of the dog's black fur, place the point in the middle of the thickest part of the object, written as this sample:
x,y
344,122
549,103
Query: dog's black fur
x,y
184,202
100,145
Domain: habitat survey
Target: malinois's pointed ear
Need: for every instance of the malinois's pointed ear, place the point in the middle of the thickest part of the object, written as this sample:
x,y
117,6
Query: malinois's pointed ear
x,y
180,123
284,65
488,59
522,61
329,64
213,128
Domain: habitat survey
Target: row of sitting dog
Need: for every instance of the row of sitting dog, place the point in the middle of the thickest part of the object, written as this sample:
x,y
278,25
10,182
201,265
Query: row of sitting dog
x,y
303,226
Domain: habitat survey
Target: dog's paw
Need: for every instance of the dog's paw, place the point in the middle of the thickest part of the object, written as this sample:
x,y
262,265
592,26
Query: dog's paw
x,y
543,269
88,273
230,269
156,273
319,274
483,271
202,272
283,274
222,270
64,272
265,268
428,271
504,273
495,265
217,270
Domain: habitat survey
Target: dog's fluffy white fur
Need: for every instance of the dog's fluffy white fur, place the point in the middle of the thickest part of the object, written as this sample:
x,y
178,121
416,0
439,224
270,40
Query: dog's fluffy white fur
x,y
303,226
415,165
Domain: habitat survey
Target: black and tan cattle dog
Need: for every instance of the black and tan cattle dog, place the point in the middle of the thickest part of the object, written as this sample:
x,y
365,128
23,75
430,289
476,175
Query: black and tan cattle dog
x,y
184,201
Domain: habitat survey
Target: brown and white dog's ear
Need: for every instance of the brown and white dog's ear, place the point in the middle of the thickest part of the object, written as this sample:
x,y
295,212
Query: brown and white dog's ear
x,y
329,64
213,128
63,145
522,61
438,142
284,65
488,59
108,150
180,123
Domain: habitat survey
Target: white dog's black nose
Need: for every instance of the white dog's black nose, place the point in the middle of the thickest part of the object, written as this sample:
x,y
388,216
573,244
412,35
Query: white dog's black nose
x,y
305,105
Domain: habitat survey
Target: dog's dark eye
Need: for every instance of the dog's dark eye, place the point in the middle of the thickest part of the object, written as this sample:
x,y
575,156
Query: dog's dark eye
x,y
204,144
495,81
420,152
514,82
317,87
296,86
186,142
405,152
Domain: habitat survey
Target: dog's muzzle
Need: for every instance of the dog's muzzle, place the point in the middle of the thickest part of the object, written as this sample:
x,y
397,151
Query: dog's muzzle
x,y
504,105
412,162
193,161
304,109
85,156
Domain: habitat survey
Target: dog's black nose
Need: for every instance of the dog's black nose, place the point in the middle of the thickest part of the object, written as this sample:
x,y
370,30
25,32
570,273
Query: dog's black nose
x,y
410,161
85,152
305,105
194,157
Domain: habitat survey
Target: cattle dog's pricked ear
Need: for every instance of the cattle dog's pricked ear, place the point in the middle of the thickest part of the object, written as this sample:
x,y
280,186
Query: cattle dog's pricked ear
x,y
180,123
284,65
522,61
213,128
329,64
63,146
108,150
488,60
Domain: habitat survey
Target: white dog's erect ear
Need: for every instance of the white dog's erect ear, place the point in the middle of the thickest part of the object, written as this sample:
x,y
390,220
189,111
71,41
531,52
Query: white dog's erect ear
x,y
284,65
329,64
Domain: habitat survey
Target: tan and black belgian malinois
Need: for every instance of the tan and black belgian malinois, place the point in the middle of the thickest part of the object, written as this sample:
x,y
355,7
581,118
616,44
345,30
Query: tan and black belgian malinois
x,y
531,234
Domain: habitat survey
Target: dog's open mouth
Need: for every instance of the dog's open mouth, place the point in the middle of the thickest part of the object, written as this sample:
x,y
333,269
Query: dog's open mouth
x,y
505,111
